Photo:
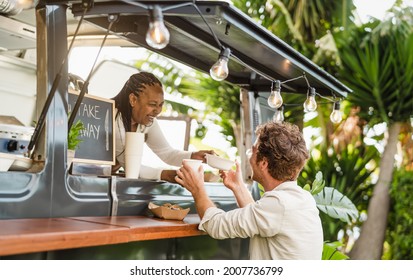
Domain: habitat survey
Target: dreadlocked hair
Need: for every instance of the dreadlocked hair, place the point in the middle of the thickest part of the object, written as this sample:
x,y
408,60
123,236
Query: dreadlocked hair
x,y
136,83
283,146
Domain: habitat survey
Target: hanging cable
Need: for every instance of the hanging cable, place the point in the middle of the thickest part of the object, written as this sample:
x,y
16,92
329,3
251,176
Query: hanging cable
x,y
40,122
112,19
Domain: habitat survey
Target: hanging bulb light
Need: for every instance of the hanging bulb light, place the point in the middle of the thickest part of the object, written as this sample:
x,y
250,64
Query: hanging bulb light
x,y
336,116
219,71
279,115
310,105
158,35
275,100
14,7
27,4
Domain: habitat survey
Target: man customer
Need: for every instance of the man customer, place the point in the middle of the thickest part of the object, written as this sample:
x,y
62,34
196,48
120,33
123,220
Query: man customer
x,y
137,105
284,223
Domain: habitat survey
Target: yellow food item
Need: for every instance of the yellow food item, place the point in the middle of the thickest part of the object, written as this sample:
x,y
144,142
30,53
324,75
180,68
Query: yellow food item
x,y
172,207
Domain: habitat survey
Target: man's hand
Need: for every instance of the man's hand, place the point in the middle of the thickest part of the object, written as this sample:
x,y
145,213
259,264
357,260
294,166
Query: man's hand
x,y
193,181
190,179
232,179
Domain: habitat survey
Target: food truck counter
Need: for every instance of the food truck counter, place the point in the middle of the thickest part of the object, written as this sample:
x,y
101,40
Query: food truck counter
x,y
20,236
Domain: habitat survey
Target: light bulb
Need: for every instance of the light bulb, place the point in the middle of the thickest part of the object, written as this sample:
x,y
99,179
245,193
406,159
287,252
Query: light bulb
x,y
310,105
26,4
336,116
279,115
275,100
219,71
158,35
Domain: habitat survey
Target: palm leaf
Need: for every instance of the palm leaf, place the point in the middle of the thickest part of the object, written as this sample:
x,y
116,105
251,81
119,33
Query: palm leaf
x,y
336,205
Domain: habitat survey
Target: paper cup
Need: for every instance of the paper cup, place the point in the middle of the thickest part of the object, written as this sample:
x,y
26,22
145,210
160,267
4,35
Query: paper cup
x,y
193,163
133,154
132,166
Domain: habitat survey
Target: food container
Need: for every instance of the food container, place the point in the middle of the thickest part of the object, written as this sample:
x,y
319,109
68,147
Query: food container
x,y
219,162
168,211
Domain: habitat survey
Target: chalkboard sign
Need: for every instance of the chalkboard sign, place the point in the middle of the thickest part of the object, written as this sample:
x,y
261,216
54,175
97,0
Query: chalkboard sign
x,y
98,138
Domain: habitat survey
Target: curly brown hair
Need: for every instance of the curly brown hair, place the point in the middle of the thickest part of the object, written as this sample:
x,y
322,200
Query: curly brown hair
x,y
283,146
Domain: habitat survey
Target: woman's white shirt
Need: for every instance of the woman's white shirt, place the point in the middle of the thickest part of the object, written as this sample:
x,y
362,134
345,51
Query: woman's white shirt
x,y
156,141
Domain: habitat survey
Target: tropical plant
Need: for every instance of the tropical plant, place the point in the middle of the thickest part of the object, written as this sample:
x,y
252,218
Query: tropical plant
x,y
301,23
335,205
73,137
346,171
331,201
400,228
378,66
331,251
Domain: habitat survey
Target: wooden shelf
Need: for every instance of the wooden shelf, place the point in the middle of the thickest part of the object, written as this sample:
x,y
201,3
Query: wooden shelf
x,y
19,236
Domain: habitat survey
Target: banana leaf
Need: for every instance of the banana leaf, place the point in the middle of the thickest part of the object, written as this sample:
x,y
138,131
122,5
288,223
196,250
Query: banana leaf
x,y
336,205
330,251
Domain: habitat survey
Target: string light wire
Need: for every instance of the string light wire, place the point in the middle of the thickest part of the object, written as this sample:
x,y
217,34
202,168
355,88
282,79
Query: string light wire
x,y
221,47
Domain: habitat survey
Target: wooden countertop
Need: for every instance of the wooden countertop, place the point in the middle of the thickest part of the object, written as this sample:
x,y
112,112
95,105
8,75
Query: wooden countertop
x,y
20,236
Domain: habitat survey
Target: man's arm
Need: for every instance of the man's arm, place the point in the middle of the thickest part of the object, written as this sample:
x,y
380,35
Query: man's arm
x,y
193,181
243,196
233,181
202,202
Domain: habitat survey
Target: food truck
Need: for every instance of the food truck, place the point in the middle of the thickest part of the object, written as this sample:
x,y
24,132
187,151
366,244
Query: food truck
x,y
50,209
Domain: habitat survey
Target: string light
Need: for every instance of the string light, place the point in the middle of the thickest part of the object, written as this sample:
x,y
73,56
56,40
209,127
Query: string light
x,y
219,71
336,115
310,105
157,35
279,114
14,7
275,99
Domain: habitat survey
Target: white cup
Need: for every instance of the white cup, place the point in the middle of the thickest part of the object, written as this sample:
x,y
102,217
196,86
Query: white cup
x,y
193,163
133,154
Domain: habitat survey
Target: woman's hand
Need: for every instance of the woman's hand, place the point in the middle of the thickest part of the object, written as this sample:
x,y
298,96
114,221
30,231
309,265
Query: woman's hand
x,y
200,155
168,175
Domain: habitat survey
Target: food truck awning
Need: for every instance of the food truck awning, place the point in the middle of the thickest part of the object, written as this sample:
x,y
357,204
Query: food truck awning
x,y
257,56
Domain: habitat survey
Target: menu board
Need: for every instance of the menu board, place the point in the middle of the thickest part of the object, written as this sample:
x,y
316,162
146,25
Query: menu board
x,y
98,138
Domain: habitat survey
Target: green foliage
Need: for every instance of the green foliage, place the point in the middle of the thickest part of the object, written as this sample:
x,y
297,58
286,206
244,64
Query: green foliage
x,y
73,137
294,114
331,252
345,171
400,220
336,205
378,65
317,185
331,201
299,22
